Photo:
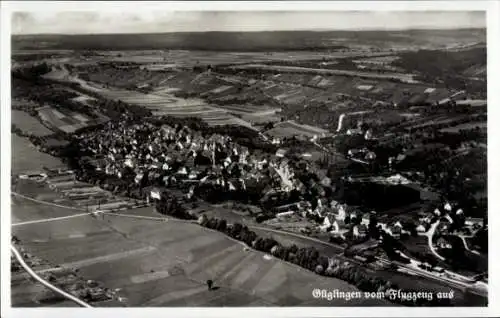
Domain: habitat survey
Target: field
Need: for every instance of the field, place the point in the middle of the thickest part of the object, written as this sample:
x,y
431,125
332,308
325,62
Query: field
x,y
166,264
161,102
408,78
257,42
29,124
64,120
26,292
291,128
472,125
26,157
147,259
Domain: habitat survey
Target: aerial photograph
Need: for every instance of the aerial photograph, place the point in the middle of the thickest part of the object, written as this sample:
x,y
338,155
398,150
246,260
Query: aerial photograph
x,y
248,159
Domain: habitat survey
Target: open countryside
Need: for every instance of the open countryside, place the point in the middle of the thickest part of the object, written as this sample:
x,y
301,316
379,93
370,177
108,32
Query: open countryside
x,y
247,169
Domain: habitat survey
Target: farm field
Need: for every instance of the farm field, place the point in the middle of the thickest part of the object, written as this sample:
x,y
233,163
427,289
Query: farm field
x,y
162,103
29,124
166,264
291,128
408,78
66,121
25,157
189,58
472,125
26,292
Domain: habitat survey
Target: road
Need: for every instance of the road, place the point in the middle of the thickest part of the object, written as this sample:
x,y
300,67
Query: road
x,y
44,282
412,270
463,238
430,235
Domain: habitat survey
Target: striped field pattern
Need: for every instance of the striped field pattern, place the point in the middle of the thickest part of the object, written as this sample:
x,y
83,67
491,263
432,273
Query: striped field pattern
x,y
166,263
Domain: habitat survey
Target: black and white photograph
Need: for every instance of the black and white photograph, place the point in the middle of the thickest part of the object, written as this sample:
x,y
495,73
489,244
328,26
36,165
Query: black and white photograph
x,y
216,158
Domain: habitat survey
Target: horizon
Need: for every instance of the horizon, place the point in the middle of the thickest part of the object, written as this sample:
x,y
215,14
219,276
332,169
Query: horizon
x,y
99,23
267,31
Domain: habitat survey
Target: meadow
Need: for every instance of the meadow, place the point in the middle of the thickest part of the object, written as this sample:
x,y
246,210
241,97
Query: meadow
x,y
29,124
25,157
167,263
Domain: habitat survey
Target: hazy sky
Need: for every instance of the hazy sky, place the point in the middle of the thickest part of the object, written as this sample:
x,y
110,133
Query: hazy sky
x,y
158,21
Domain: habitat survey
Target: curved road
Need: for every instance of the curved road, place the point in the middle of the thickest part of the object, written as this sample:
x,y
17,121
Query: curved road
x,y
430,233
44,282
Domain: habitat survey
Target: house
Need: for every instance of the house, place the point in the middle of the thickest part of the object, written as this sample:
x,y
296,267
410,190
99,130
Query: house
x,y
447,207
155,194
448,218
359,230
426,266
341,213
326,182
333,204
365,219
285,214
338,226
281,153
474,222
442,243
421,229
438,269
328,222
193,175
398,225
368,134
394,230
354,131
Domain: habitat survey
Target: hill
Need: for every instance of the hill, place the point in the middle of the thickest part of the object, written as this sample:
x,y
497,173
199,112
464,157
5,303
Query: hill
x,y
254,41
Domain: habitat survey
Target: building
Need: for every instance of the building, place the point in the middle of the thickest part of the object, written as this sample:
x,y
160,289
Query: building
x,y
339,226
285,214
328,222
421,229
281,153
359,230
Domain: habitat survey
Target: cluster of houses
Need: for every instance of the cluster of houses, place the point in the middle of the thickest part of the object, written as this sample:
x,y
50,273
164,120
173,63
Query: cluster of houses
x,y
342,220
182,155
338,219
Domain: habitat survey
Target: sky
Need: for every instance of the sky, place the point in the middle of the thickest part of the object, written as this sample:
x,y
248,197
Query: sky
x,y
170,21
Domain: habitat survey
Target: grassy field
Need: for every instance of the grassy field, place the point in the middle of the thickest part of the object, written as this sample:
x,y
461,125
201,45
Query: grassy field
x,y
29,124
166,264
473,125
66,121
26,292
25,157
146,255
402,77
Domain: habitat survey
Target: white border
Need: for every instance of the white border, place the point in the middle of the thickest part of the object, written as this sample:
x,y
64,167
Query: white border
x,y
110,6
493,34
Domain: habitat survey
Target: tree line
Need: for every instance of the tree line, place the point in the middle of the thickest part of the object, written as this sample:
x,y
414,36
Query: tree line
x,y
310,259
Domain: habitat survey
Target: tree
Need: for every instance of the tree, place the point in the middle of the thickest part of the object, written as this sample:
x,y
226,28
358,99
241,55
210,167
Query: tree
x,y
236,230
221,225
212,223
